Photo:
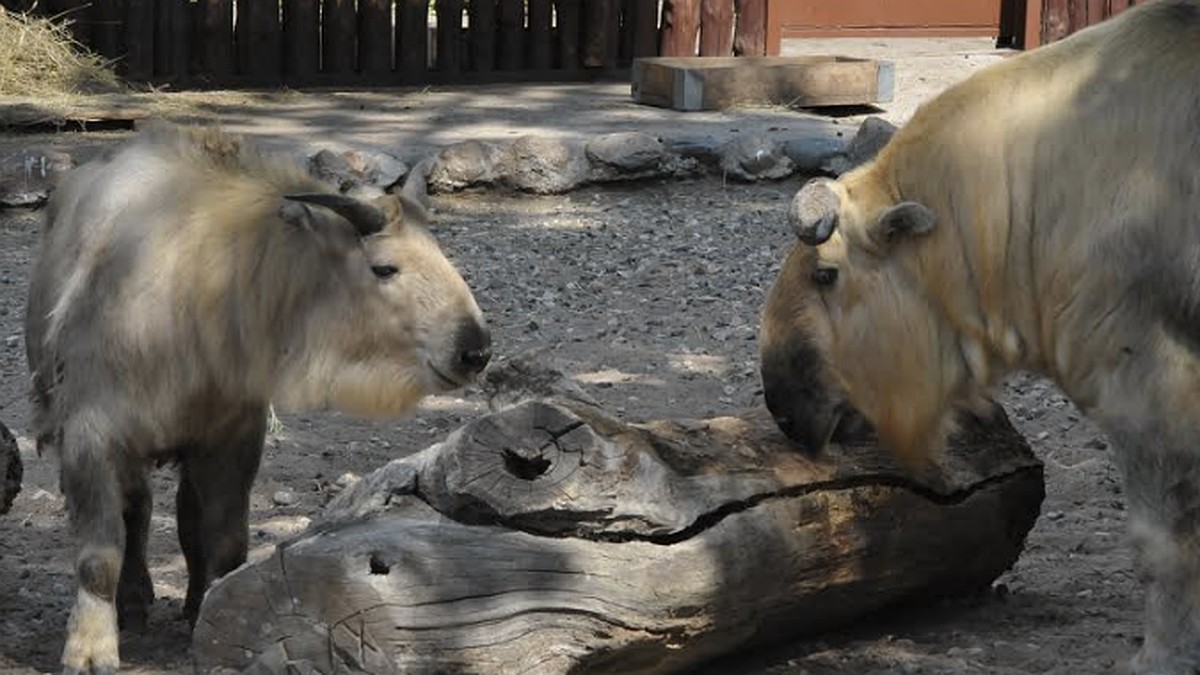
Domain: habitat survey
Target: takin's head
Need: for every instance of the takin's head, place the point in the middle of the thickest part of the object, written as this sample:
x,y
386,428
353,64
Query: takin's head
x,y
848,330
400,322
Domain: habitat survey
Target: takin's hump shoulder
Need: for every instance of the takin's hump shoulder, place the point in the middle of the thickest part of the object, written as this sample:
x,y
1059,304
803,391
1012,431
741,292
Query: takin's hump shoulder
x,y
211,148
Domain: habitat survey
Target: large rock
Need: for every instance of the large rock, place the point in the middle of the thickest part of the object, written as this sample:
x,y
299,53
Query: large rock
x,y
751,158
546,165
629,151
872,135
466,164
28,178
354,170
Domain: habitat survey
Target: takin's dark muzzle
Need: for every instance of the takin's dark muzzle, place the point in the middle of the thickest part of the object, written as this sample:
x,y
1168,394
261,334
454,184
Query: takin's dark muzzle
x,y
806,407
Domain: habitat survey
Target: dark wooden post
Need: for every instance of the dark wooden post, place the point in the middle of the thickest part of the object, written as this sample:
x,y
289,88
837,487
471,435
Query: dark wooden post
x,y
449,34
481,38
107,19
257,37
375,37
716,28
681,22
512,34
539,34
643,24
171,40
412,39
600,41
301,35
138,38
338,49
750,28
568,33
214,35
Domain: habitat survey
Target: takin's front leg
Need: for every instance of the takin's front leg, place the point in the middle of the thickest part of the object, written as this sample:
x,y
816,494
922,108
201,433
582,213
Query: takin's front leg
x,y
1163,488
213,504
90,482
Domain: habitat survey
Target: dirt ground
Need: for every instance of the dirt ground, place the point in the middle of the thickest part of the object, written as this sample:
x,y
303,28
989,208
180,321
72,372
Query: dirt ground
x,y
648,296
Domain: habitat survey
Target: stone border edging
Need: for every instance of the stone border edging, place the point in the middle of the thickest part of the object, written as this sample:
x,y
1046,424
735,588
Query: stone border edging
x,y
533,164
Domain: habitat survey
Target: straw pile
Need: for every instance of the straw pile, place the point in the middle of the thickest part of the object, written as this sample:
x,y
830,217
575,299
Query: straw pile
x,y
39,59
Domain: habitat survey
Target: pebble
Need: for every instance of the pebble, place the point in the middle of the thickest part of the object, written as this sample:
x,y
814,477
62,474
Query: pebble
x,y
284,498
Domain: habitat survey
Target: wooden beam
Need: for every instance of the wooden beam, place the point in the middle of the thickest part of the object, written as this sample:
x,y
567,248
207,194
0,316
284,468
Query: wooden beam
x,y
714,83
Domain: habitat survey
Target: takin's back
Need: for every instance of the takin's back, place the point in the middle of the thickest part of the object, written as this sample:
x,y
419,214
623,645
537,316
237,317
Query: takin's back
x,y
138,245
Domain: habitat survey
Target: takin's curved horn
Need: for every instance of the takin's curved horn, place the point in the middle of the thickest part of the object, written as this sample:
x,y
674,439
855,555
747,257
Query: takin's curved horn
x,y
814,211
366,218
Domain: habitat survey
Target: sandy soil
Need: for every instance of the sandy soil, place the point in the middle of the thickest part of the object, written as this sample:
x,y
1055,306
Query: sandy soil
x,y
648,296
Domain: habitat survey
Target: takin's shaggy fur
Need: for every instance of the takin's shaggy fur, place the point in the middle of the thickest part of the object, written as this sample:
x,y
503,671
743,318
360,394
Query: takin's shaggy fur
x,y
1042,215
185,281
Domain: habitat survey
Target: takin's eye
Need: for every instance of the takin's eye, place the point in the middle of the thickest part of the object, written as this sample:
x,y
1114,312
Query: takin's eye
x,y
825,276
384,271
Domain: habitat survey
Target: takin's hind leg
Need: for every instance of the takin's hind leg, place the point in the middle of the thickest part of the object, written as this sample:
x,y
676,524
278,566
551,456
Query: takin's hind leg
x,y
90,483
213,504
1163,489
135,592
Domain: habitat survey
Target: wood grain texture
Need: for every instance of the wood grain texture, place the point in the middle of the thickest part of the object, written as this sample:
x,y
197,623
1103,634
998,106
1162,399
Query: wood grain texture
x,y
715,83
551,538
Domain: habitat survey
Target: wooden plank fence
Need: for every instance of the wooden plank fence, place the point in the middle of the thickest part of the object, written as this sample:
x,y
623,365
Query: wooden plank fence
x,y
338,43
1060,18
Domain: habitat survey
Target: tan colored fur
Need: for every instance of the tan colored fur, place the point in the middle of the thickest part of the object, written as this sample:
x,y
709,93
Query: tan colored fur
x,y
178,293
1040,169
310,326
1065,183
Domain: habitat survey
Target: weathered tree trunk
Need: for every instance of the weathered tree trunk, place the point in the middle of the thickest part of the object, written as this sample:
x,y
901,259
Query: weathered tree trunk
x,y
551,538
10,469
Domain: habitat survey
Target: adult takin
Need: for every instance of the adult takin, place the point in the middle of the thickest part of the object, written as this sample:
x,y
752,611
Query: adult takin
x,y
185,282
1042,215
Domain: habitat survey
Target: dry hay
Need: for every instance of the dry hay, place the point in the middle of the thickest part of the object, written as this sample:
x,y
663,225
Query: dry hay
x,y
40,60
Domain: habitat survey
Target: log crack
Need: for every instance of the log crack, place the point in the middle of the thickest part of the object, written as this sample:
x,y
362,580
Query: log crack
x,y
488,515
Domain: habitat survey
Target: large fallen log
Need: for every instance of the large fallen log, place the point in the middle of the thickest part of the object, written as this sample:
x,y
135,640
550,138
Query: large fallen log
x,y
551,538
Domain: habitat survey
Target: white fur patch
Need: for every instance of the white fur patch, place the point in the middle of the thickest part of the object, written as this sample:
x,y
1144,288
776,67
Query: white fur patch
x,y
92,636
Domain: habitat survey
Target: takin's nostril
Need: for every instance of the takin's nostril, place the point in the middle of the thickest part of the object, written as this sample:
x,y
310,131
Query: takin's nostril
x,y
476,360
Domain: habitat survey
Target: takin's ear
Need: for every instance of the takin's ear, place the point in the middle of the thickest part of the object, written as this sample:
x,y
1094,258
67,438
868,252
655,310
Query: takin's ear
x,y
296,214
902,220
400,209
